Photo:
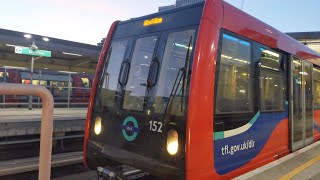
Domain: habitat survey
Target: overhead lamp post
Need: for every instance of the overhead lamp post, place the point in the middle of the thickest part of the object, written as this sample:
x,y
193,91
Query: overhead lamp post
x,y
32,51
242,3
33,47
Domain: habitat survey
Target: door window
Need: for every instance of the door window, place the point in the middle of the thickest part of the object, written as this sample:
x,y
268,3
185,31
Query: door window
x,y
136,86
316,85
297,100
307,76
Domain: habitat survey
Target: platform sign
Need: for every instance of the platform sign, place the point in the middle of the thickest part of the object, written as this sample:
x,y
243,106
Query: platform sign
x,y
28,51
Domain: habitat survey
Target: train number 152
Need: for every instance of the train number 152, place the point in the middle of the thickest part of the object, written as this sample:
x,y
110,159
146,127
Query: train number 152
x,y
155,126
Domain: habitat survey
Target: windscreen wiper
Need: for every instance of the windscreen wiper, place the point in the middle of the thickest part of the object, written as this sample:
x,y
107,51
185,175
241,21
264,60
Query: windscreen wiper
x,y
174,90
181,76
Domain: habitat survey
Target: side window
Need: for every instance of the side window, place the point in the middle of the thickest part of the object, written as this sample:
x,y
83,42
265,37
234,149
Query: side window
x,y
234,88
85,82
25,81
271,81
269,59
4,77
43,83
271,91
316,82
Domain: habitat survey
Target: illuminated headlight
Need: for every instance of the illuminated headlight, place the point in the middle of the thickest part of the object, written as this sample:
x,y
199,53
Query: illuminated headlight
x,y
172,142
97,125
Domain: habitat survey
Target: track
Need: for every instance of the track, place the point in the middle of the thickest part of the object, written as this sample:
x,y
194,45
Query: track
x,y
32,164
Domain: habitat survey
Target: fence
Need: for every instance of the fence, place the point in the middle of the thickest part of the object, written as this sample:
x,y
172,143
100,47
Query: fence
x,y
59,84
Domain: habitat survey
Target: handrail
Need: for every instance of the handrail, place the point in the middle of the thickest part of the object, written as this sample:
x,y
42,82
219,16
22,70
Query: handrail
x,y
46,122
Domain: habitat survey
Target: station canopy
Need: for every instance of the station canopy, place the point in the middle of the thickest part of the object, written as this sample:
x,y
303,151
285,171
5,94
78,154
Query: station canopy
x,y
65,55
310,39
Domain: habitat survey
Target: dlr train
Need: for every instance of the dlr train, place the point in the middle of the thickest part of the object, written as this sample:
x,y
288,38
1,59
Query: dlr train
x,y
57,83
204,91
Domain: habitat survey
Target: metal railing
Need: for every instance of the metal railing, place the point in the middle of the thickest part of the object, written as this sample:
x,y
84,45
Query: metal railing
x,y
63,97
46,122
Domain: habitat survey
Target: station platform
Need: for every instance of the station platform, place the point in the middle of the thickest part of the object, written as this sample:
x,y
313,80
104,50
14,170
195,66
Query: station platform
x,y
302,164
24,122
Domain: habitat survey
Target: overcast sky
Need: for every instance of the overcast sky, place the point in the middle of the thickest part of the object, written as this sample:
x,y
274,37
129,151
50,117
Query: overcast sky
x,y
88,21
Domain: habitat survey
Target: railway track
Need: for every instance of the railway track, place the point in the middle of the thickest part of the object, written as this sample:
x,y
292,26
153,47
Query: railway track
x,y
32,164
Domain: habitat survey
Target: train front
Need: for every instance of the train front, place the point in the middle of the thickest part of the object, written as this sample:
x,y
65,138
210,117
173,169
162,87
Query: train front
x,y
137,115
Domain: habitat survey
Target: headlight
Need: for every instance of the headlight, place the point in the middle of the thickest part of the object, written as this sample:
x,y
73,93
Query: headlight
x,y
97,125
172,142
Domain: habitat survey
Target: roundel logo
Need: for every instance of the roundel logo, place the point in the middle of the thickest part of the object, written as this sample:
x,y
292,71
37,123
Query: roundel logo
x,y
130,128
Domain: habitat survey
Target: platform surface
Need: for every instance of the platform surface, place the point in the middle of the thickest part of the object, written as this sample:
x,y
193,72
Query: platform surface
x,y
22,122
302,164
25,115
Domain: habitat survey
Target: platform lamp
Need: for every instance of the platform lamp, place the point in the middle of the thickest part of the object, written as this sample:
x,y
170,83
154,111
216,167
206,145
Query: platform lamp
x,y
33,47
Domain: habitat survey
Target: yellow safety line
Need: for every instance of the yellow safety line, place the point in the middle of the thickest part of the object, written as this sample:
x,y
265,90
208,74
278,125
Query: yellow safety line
x,y
299,169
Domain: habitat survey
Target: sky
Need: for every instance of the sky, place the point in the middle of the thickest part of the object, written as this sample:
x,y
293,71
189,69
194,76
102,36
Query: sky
x,y
88,21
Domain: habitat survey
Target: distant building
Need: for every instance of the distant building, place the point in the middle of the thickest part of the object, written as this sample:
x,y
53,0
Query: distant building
x,y
101,42
165,8
179,3
311,39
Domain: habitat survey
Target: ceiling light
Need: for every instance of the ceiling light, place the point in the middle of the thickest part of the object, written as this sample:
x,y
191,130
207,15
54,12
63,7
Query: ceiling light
x,y
72,54
14,67
46,39
70,72
12,45
27,36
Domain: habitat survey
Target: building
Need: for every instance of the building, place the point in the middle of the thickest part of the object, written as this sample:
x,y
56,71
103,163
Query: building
x,y
179,3
65,55
165,8
311,39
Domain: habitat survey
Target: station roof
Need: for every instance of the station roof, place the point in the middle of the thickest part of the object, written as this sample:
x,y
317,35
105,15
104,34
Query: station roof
x,y
66,55
310,39
305,35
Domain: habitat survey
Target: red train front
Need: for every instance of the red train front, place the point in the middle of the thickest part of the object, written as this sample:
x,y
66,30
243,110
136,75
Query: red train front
x,y
198,92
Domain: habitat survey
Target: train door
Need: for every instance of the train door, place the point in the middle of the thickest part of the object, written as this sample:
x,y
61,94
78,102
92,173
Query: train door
x,y
301,108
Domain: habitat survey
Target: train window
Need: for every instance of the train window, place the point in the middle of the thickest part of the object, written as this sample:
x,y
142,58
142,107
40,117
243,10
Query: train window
x,y
43,83
4,77
135,91
25,81
85,82
270,59
272,91
173,60
35,82
110,78
59,85
234,90
316,82
59,88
